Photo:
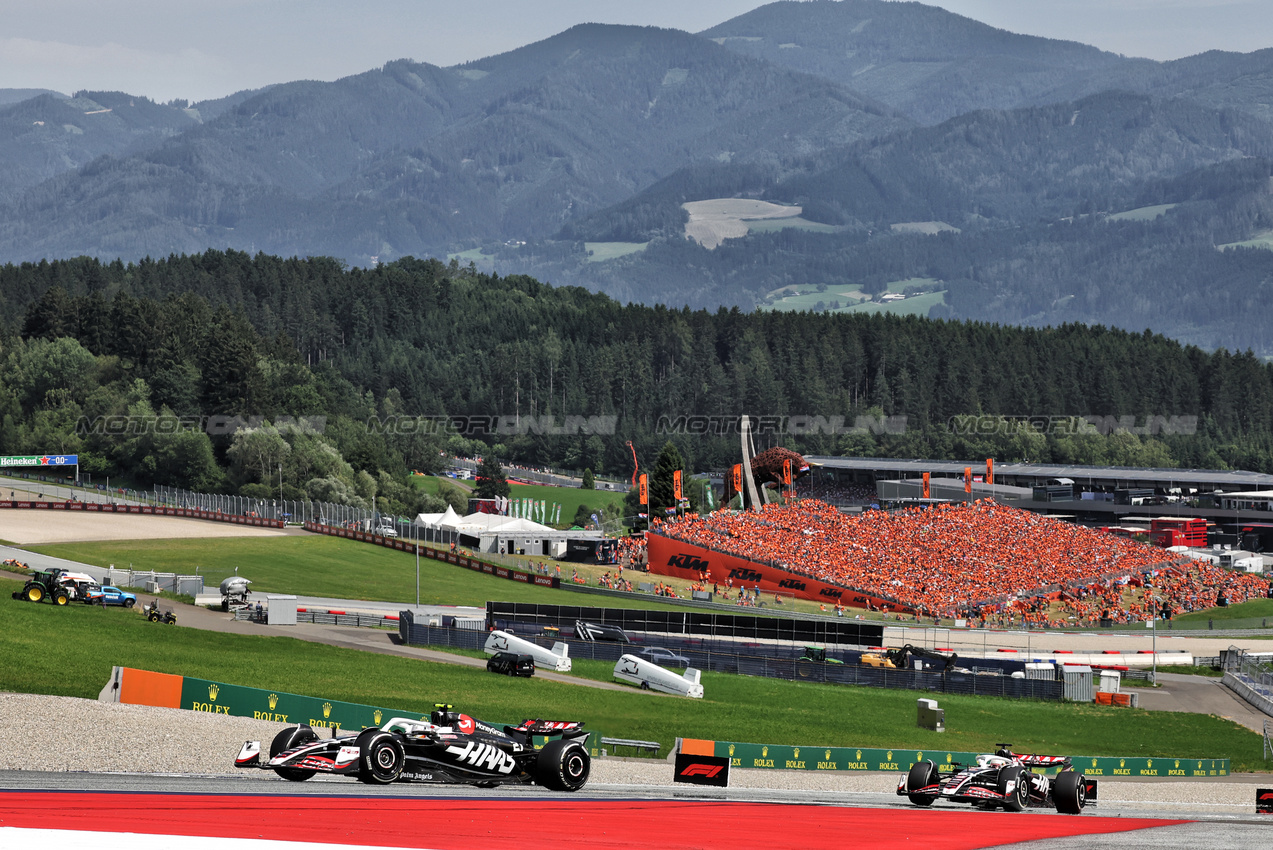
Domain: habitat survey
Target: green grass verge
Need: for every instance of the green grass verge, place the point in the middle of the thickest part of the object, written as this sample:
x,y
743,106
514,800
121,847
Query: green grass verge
x,y
1250,610
318,565
433,483
70,651
570,498
1191,670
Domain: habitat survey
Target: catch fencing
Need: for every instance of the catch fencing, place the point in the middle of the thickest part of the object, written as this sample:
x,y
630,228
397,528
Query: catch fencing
x,y
1249,676
769,660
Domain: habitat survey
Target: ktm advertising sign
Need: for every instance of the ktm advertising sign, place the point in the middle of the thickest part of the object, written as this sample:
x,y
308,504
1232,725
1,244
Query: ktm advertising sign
x,y
702,770
677,558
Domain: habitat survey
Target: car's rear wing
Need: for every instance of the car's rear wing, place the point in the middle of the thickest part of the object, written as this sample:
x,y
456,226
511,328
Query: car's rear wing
x,y
1032,760
567,729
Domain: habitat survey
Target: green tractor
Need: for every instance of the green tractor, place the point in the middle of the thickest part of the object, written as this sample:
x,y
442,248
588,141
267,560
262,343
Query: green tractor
x,y
44,585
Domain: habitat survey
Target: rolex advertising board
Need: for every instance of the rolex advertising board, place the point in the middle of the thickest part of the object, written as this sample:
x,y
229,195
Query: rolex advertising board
x,y
130,686
781,757
280,706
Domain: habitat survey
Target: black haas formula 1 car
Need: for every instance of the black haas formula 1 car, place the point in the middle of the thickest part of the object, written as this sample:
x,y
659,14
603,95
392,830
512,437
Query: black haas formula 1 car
x,y
1004,779
449,747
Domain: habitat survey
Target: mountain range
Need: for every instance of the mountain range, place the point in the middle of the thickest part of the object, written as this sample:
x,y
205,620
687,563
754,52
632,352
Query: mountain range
x,y
1004,177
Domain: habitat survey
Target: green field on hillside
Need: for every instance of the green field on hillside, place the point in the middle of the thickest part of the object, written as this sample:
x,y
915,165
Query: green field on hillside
x,y
1141,213
76,647
570,498
808,298
599,252
851,298
1260,240
917,305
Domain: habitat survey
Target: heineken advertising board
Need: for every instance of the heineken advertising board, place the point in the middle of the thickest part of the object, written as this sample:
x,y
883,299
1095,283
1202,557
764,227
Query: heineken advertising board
x,y
39,460
779,757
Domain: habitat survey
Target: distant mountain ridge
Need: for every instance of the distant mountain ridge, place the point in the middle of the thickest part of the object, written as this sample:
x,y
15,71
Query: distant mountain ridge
x,y
928,63
412,158
881,120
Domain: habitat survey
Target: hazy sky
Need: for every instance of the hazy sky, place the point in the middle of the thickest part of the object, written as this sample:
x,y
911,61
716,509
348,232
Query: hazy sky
x,y
198,49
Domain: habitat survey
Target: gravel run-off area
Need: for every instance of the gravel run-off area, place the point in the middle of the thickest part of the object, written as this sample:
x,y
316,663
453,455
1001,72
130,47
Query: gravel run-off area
x,y
109,737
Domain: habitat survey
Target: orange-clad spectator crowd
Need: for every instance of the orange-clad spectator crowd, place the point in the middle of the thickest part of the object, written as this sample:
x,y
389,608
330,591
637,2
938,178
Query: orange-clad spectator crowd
x,y
982,561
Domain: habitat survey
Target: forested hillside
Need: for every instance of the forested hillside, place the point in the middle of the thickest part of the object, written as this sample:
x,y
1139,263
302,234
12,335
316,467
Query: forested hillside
x,y
365,352
1108,210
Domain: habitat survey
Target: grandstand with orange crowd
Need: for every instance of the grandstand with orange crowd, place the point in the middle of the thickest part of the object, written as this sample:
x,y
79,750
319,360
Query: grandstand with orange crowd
x,y
981,561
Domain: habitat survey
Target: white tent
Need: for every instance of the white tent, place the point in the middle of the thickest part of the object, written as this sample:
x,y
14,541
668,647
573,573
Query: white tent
x,y
448,519
520,526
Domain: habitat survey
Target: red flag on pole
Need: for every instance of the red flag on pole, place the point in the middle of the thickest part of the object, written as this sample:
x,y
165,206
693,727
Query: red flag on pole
x,y
926,489
990,470
968,479
643,488
676,485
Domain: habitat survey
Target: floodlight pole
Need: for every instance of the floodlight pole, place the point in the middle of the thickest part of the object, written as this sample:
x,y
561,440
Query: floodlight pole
x,y
1153,676
417,574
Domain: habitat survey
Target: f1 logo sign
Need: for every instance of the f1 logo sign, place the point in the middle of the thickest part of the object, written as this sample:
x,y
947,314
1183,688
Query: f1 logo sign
x,y
702,770
707,770
1264,801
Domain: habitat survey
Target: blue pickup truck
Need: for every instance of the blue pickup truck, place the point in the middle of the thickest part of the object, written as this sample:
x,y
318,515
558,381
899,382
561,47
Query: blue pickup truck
x,y
107,595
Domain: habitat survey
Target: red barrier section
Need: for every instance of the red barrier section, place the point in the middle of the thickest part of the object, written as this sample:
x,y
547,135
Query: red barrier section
x,y
547,824
684,560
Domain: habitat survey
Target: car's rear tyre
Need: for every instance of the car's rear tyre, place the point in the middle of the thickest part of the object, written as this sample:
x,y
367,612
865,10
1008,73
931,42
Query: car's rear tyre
x,y
922,774
1069,792
288,739
1016,799
563,765
381,757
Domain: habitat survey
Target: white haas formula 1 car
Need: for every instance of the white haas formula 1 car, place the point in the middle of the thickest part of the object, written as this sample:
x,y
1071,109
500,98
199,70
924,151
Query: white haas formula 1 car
x,y
1004,779
449,747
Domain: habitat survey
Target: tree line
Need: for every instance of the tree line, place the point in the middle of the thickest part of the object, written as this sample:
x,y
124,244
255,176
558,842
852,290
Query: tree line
x,y
403,362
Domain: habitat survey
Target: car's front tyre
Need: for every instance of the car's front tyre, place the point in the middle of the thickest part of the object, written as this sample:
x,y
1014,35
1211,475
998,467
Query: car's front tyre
x,y
288,739
1014,800
922,774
